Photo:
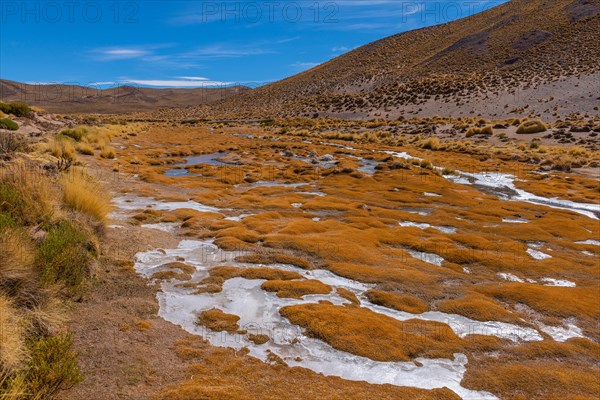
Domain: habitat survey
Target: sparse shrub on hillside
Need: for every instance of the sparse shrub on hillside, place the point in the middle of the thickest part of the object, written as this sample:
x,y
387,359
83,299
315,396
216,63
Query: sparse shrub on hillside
x,y
6,123
52,366
65,255
533,126
16,109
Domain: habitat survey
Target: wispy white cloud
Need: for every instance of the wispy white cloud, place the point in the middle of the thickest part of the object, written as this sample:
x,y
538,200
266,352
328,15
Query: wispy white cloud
x,y
218,51
304,65
119,53
182,82
340,49
193,78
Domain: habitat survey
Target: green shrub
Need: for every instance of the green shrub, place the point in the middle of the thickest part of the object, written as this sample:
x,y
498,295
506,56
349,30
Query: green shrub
x,y
16,109
6,123
76,133
52,366
7,221
533,126
65,255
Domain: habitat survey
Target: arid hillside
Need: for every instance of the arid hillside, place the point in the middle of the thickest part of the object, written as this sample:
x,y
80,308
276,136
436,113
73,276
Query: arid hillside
x,y
525,57
88,99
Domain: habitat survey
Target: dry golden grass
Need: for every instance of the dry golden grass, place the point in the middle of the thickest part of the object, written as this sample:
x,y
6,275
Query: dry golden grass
x,y
13,335
275,258
296,289
85,149
479,308
218,321
218,275
28,194
400,302
107,152
539,370
348,295
82,194
532,126
582,302
171,274
365,333
258,339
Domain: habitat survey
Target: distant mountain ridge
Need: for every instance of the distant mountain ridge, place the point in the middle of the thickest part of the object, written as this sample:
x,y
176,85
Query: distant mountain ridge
x,y
86,99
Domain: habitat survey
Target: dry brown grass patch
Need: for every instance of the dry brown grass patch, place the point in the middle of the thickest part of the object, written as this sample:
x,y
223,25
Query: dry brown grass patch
x,y
400,302
82,194
479,308
296,289
218,321
365,333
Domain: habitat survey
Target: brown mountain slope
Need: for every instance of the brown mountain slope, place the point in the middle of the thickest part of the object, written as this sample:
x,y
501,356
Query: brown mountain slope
x,y
80,99
537,57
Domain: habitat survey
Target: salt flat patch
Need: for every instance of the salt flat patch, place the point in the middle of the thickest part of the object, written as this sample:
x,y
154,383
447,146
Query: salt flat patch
x,y
428,194
315,193
562,334
131,203
589,241
260,184
403,155
510,277
419,211
430,258
558,282
163,226
238,218
515,220
502,186
538,255
424,225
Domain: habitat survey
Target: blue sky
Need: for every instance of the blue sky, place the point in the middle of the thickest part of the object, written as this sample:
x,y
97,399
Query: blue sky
x,y
198,43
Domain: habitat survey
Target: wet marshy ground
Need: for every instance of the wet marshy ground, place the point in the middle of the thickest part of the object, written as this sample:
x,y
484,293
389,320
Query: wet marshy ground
x,y
326,264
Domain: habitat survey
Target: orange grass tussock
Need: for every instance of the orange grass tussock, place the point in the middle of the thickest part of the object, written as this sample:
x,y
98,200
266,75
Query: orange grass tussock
x,y
296,289
218,321
400,302
365,333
